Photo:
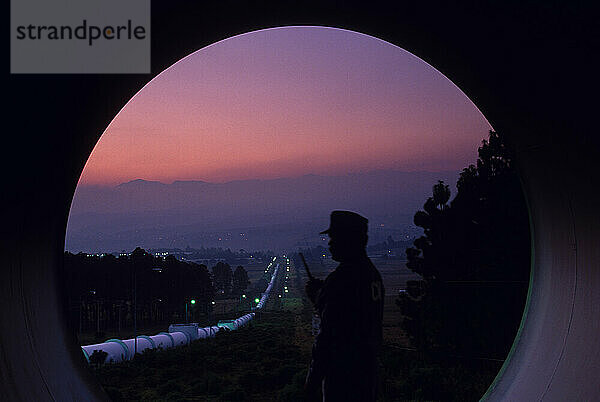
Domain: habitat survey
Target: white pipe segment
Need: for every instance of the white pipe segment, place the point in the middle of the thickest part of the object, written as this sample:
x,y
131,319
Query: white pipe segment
x,y
162,341
180,338
265,295
190,329
170,337
115,349
143,343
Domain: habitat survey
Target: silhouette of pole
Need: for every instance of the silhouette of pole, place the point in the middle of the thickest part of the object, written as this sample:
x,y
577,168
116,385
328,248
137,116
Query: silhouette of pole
x,y
310,277
134,309
80,314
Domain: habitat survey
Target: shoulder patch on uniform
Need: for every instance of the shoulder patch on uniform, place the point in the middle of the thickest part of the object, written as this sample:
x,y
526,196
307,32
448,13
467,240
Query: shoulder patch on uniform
x,y
376,290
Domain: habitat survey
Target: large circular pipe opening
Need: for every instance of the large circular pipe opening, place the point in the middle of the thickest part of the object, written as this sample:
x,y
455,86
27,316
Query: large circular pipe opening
x,y
238,152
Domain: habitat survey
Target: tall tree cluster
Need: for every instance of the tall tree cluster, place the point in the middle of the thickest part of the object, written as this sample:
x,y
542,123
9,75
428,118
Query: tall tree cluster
x,y
222,277
109,286
228,282
240,280
474,258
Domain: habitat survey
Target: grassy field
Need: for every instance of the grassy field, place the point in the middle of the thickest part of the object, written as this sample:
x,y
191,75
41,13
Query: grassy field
x,y
268,361
259,363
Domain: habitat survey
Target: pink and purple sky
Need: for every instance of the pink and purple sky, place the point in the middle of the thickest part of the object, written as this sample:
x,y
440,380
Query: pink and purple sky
x,y
286,102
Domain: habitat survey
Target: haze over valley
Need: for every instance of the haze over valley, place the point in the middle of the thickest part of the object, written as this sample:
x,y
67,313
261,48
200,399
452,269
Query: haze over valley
x,y
275,214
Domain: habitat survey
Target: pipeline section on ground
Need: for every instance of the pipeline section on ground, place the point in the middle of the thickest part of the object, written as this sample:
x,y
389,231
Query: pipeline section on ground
x,y
118,350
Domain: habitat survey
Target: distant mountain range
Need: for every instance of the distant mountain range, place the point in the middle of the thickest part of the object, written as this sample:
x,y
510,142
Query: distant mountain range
x,y
251,214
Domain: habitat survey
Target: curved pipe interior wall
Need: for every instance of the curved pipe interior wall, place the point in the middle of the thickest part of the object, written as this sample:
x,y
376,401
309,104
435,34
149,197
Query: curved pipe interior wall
x,y
524,65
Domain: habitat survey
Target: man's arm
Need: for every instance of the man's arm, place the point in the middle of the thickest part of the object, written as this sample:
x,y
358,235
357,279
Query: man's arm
x,y
321,355
329,304
315,374
313,288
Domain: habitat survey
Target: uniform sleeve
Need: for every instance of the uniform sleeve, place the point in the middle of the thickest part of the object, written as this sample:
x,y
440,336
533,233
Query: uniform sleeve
x,y
321,353
330,308
313,288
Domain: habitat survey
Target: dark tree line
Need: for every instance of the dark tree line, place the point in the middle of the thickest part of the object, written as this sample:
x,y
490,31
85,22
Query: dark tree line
x,y
103,292
222,275
240,281
474,258
228,282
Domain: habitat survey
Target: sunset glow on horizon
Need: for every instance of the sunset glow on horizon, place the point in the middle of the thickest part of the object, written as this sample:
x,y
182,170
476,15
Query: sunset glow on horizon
x,y
286,102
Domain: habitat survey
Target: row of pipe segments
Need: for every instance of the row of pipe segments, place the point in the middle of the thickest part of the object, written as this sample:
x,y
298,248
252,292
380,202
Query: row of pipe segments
x,y
118,350
267,292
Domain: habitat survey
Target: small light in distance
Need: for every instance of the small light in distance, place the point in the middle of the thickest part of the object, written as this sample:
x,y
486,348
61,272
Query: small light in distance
x,y
256,300
193,301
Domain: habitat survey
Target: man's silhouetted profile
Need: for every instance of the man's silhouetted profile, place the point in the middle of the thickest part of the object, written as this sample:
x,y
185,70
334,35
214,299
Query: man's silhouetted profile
x,y
350,304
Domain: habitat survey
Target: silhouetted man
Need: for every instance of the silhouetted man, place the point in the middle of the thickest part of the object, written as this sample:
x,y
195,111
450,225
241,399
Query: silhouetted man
x,y
350,304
